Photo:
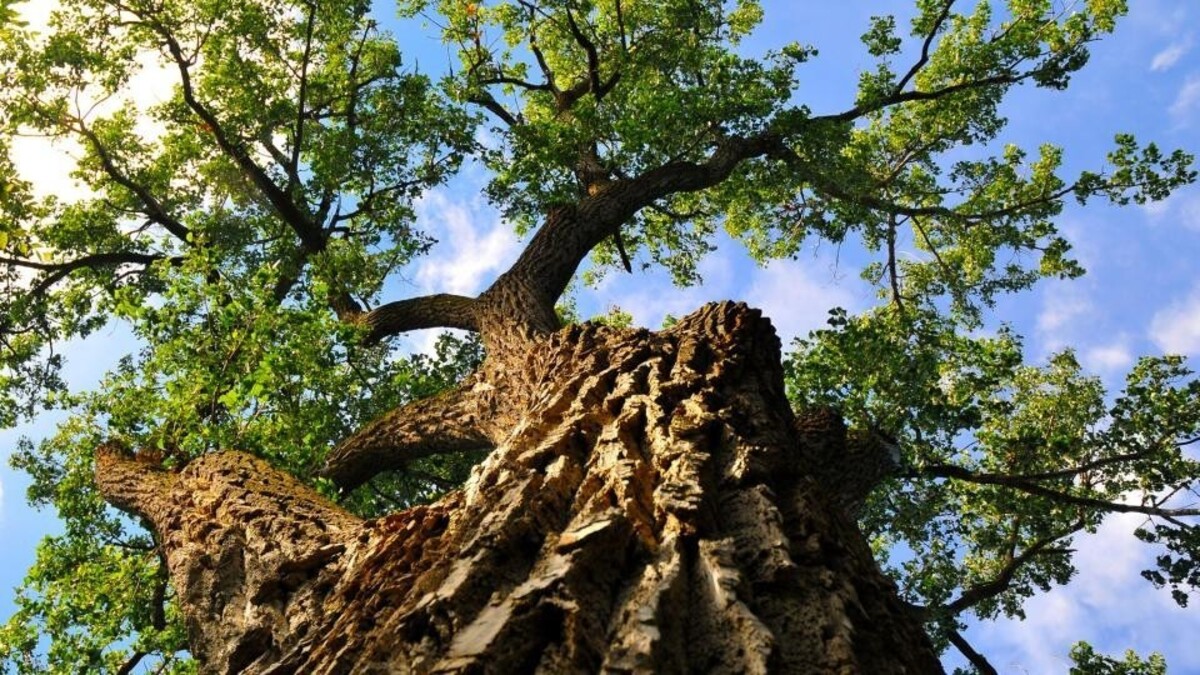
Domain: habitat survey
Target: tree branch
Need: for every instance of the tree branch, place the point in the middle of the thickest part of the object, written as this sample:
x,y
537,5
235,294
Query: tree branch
x,y
131,486
924,59
1000,583
131,663
782,152
514,81
489,103
442,310
543,65
441,424
1029,487
310,234
593,83
903,97
162,577
893,273
293,167
155,211
570,232
59,271
981,664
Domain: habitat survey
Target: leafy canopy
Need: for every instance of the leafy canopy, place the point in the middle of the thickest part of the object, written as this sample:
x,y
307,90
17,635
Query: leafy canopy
x,y
241,226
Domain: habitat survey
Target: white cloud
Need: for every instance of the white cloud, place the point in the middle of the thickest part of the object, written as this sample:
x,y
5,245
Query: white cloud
x,y
36,14
469,254
1176,328
795,299
1188,211
1170,55
1107,603
1063,305
1111,357
47,165
1186,101
1158,209
790,293
1181,208
650,296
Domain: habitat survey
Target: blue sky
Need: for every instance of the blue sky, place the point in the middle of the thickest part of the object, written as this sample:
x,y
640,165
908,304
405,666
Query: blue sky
x,y
1141,294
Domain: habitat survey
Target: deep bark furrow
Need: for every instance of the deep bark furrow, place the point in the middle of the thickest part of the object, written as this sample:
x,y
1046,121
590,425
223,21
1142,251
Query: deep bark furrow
x,y
647,631
647,508
729,638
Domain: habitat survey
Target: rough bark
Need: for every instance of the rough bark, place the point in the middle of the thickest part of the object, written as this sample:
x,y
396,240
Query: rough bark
x,y
649,507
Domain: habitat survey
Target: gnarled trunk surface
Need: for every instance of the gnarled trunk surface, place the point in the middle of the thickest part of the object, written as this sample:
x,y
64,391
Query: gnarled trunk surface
x,y
648,507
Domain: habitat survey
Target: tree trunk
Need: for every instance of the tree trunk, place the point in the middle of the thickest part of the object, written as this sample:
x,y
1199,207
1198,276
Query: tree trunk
x,y
648,507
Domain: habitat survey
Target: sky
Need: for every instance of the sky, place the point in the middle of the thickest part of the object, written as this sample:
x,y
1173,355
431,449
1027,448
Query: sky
x,y
1141,295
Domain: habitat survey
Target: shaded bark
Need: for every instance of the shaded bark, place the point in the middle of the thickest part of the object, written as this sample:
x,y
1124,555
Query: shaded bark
x,y
649,507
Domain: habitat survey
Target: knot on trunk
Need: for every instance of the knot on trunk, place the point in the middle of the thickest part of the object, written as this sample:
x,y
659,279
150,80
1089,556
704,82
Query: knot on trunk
x,y
848,464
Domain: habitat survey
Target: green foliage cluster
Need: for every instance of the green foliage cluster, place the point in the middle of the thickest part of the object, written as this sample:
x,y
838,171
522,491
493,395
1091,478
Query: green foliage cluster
x,y
1005,463
179,239
238,227
1088,662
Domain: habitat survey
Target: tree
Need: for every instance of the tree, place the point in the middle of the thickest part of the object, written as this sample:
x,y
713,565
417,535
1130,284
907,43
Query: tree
x,y
645,500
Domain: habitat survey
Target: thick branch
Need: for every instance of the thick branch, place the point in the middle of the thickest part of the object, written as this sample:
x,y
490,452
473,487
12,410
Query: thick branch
x,y
516,82
441,424
246,545
442,310
569,233
489,102
1028,487
134,659
981,664
132,486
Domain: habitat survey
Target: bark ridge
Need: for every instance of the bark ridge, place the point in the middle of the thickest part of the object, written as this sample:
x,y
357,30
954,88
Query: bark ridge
x,y
648,507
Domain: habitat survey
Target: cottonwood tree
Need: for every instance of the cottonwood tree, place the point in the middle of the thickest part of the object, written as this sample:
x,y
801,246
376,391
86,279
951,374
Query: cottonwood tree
x,y
669,501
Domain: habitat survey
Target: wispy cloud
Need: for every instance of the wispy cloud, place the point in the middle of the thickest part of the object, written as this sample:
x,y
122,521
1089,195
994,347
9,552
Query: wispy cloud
x,y
1186,101
1107,604
1170,55
1063,306
1188,210
796,295
795,298
473,247
1176,328
1109,358
649,296
1181,208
